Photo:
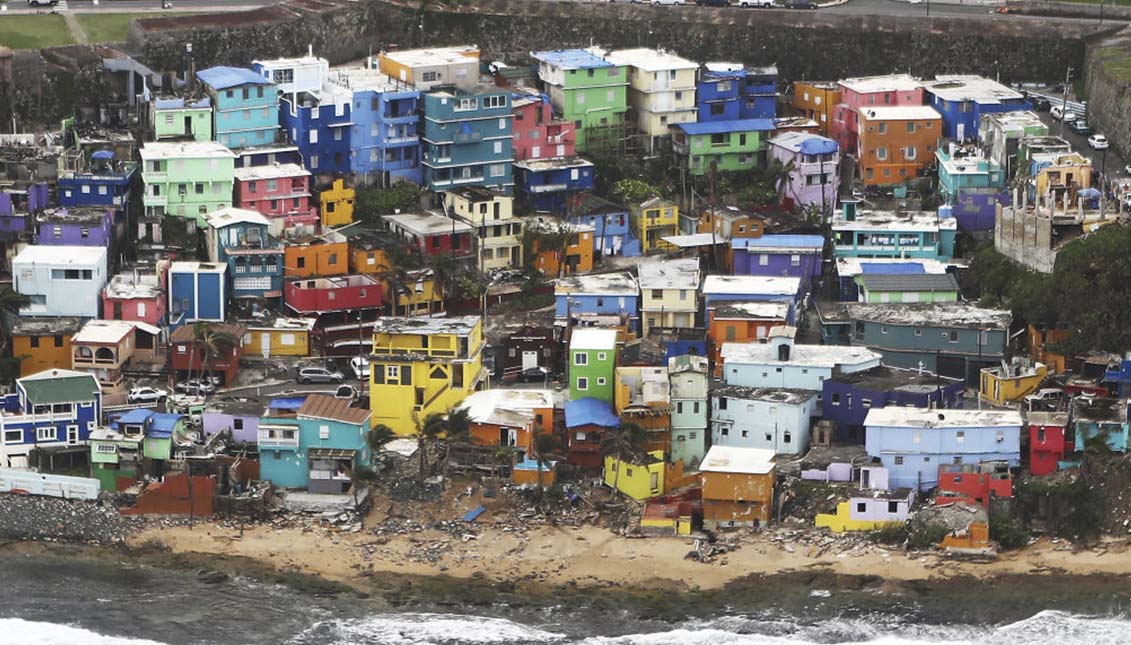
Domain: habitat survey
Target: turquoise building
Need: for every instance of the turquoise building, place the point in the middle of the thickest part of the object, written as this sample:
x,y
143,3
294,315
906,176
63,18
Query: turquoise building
x,y
246,106
315,446
892,234
467,139
964,168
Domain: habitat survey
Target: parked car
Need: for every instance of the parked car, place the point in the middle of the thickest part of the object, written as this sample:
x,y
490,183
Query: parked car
x,y
1060,114
360,367
194,386
42,3
1080,126
319,375
145,394
1097,142
534,375
746,4
1042,105
1044,398
800,4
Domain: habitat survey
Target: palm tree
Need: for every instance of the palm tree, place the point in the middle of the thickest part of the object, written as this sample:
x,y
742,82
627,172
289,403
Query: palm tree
x,y
445,268
377,437
427,431
211,341
11,301
625,443
361,476
402,261
545,450
457,429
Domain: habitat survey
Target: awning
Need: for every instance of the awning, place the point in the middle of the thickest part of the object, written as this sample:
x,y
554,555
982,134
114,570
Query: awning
x,y
147,328
694,240
330,453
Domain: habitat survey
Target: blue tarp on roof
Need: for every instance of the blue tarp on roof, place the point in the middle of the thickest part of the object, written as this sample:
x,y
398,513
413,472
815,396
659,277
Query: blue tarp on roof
x,y
571,59
532,464
132,417
590,411
723,127
893,268
161,425
102,154
818,146
816,242
287,403
220,78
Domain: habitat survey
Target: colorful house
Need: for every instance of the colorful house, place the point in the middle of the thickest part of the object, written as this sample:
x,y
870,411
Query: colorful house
x,y
527,347
240,238
780,363
104,348
797,256
419,295
246,106
717,92
197,291
134,296
869,511
642,395
963,99
725,223
432,233
432,67
642,479
101,180
587,90
816,99
60,280
52,409
670,294
497,231
467,138
743,322
612,231
280,336
1000,134
575,257
237,417
537,134
337,303
921,287
423,365
186,179
319,122
190,355
974,483
509,418
866,92
336,204
655,219
770,419
813,164
718,289
592,363
78,226
911,443
964,170
758,94
847,398
547,184
586,421
891,234
115,458
280,192
661,91
43,343
896,144
1048,441
732,146
384,138
181,118
688,377
738,487
1101,421
598,299
317,448
1012,382
850,269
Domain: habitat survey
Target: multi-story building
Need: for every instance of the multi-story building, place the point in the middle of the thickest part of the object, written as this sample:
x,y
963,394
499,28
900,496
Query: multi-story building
x,y
315,448
498,233
547,185
586,89
797,256
240,238
758,96
245,106
467,138
963,99
384,139
574,256
661,91
670,294
103,348
912,442
421,366
738,487
60,280
1049,441
197,291
813,162
896,144
100,181
293,75
717,91
642,395
43,343
732,146
890,234
816,100
592,364
655,219
432,67
722,289
779,363
723,222
743,322
77,226
316,256
279,192
432,233
613,233
190,355
180,118
186,179
537,134
319,124
336,204
609,299
52,409
847,398
133,295
688,377
1000,135
965,169
770,419
892,90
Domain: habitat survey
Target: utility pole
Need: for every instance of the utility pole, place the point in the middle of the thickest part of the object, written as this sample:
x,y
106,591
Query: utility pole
x,y
1064,104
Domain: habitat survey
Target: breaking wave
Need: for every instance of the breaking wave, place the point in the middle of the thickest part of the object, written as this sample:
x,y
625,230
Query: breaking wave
x,y
28,632
424,629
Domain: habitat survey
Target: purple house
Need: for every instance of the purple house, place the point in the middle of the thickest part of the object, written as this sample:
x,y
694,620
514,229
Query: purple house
x,y
15,206
239,417
796,256
847,398
76,226
815,178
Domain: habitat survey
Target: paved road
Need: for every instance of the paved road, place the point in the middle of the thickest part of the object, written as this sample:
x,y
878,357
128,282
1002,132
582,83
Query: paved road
x,y
1110,159
142,6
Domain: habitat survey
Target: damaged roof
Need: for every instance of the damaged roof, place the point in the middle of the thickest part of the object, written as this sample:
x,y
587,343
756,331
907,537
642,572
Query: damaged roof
x,y
322,406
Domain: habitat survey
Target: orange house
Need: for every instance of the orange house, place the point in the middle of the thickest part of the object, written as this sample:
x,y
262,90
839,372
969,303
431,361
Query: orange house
x,y
578,254
43,343
738,487
815,99
896,144
318,256
367,252
503,417
742,322
642,395
1039,341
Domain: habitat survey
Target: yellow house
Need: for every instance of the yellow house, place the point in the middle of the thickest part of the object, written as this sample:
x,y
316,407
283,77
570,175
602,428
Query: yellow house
x,y
1007,384
423,365
498,232
654,220
280,337
43,343
337,204
638,481
669,294
869,510
418,296
1065,171
661,89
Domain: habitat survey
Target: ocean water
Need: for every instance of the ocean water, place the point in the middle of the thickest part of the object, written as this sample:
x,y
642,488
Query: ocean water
x,y
1044,628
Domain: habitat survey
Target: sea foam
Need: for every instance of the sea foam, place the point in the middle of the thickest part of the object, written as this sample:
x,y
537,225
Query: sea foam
x,y
26,632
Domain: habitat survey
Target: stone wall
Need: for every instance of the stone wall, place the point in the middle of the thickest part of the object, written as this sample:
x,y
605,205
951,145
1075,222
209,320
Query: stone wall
x,y
1070,9
24,517
1107,83
1025,237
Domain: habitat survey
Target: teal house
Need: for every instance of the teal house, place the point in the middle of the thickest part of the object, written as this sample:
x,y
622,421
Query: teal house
x,y
314,447
592,363
963,168
136,437
735,145
859,233
467,139
1100,421
245,106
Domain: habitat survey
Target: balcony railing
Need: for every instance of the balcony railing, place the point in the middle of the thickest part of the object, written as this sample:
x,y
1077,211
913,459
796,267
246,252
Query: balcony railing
x,y
818,168
151,176
467,137
547,188
398,140
43,417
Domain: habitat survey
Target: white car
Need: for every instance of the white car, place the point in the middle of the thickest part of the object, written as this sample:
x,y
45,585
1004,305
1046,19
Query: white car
x,y
42,3
360,367
198,387
145,394
754,3
1097,142
656,3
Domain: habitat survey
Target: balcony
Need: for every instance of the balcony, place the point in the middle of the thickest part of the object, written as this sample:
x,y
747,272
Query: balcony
x,y
151,177
467,180
547,188
273,437
403,140
154,200
818,168
42,417
467,137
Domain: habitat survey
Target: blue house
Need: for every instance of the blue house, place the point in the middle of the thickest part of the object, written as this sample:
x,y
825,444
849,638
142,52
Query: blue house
x,y
52,409
912,443
963,99
467,139
718,90
239,238
103,181
966,168
547,184
847,398
598,298
315,447
613,233
197,291
319,124
759,99
246,111
1100,420
797,256
891,234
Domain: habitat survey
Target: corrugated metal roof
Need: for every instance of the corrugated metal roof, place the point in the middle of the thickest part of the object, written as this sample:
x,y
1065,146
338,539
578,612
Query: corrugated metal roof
x,y
722,127
908,282
66,388
320,406
221,78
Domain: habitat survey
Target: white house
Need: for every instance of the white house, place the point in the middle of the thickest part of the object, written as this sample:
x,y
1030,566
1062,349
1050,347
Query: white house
x,y
769,419
61,280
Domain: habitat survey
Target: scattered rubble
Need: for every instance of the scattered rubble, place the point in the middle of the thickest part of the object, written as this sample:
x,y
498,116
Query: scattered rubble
x,y
24,517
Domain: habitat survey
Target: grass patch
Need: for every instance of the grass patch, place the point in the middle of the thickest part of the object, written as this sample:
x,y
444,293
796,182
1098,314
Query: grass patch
x,y
112,27
34,32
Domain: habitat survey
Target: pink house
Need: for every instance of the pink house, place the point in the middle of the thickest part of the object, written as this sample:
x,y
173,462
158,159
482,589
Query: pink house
x,y
815,161
279,192
855,93
536,134
134,296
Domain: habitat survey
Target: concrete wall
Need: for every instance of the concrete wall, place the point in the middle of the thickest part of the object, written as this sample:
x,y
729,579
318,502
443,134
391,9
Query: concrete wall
x,y
1069,9
1107,82
1025,238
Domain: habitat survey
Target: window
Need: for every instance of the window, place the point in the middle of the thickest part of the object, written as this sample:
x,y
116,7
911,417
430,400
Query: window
x,y
952,336
836,398
911,126
960,436
497,101
917,437
893,507
581,358
957,462
314,136
726,432
882,153
918,332
882,128
910,153
1041,435
926,460
46,434
430,77
13,436
602,356
601,380
787,437
582,383
722,403
763,259
861,507
899,460
59,343
866,403
34,342
1000,437
323,432
795,260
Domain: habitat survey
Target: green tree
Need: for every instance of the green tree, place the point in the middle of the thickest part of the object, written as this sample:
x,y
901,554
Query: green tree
x,y
374,202
428,431
540,237
11,301
634,191
626,443
361,477
212,343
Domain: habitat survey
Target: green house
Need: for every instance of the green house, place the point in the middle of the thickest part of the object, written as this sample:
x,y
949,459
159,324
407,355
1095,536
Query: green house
x,y
181,118
735,145
585,88
922,287
114,457
592,362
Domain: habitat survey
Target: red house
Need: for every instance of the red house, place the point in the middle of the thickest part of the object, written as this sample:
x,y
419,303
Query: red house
x,y
280,192
345,308
189,356
974,483
1048,441
432,233
134,296
536,134
586,421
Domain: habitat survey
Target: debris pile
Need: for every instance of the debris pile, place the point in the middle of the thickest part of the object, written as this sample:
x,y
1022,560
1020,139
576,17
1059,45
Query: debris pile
x,y
24,517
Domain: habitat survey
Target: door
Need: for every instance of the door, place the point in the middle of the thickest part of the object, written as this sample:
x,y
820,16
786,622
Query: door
x,y
188,126
961,134
265,344
865,478
72,435
529,359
